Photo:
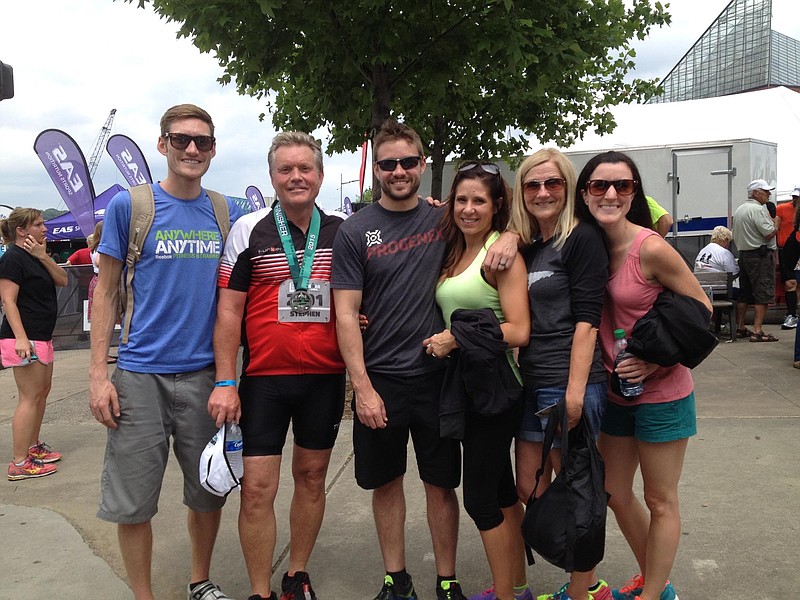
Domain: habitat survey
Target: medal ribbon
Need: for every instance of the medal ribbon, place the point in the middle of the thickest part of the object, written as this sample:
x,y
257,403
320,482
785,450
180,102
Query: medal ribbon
x,y
300,276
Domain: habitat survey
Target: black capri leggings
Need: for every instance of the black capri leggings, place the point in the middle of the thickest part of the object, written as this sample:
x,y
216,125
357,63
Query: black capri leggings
x,y
488,477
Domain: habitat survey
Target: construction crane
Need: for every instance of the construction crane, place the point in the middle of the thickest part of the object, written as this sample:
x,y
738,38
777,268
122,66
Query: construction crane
x,y
100,143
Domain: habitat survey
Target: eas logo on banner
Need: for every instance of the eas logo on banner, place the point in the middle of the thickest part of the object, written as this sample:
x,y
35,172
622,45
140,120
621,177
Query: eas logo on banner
x,y
74,179
133,166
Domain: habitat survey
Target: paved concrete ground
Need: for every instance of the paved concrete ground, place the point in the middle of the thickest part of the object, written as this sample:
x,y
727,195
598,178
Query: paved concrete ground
x,y
740,495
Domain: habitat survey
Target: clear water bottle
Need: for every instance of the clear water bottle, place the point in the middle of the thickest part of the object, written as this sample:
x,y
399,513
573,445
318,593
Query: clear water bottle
x,y
629,390
233,448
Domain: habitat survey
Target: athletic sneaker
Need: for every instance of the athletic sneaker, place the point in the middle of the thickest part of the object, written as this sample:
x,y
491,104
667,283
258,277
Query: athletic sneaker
x,y
206,591
559,595
41,451
297,587
389,592
790,322
450,589
489,594
632,589
29,469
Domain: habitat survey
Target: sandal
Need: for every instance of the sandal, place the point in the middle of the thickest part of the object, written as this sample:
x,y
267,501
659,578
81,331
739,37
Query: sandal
x,y
763,337
743,333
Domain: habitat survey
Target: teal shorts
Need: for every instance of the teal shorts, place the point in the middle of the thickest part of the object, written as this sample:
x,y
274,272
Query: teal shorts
x,y
662,422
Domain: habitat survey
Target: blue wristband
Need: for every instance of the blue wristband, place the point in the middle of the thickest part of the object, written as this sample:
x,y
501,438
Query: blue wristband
x,y
225,383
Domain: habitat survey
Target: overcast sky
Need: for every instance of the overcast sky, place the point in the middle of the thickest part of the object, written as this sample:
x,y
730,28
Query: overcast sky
x,y
75,61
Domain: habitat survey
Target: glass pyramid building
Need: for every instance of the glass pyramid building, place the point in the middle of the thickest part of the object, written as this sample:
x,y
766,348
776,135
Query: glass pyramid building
x,y
739,52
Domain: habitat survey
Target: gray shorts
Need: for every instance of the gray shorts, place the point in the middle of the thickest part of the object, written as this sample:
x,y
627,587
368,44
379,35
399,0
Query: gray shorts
x,y
155,407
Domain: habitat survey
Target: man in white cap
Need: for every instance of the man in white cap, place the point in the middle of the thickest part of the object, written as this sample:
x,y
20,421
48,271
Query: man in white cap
x,y
753,229
785,225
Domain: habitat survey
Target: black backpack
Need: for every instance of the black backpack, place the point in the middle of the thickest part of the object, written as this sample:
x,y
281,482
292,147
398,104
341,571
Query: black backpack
x,y
567,525
791,250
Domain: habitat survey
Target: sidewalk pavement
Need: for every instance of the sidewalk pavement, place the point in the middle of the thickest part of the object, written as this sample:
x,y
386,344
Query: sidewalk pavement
x,y
740,503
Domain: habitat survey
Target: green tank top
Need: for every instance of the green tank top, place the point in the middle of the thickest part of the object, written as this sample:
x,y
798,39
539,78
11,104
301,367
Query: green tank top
x,y
471,291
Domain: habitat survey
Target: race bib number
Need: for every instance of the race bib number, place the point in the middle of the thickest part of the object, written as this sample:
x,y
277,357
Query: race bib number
x,y
314,308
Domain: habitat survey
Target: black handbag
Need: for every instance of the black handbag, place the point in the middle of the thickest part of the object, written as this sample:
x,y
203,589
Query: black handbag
x,y
567,525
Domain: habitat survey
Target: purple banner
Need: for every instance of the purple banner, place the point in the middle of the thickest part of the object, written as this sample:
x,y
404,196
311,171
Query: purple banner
x,y
66,165
256,199
129,160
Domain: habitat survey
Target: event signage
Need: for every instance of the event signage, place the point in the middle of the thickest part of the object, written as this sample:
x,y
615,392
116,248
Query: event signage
x,y
66,165
129,160
254,196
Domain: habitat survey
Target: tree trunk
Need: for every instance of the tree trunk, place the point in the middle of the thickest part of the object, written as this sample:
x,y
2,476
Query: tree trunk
x,y
438,156
380,113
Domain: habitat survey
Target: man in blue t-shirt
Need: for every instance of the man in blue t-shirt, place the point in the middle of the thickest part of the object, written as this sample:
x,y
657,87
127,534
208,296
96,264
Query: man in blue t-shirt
x,y
166,366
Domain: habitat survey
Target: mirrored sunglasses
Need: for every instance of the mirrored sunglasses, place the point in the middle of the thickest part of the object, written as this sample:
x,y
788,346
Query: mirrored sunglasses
x,y
488,167
390,164
181,141
599,187
553,184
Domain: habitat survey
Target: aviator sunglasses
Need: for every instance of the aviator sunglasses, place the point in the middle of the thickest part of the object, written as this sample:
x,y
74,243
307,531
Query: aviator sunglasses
x,y
553,184
181,141
390,164
490,168
599,187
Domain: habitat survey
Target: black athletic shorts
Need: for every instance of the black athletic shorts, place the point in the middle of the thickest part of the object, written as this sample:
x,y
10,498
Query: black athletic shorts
x,y
412,406
313,403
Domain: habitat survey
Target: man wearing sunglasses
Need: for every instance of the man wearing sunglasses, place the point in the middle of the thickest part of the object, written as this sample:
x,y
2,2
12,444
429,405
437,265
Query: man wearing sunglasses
x,y
386,263
165,370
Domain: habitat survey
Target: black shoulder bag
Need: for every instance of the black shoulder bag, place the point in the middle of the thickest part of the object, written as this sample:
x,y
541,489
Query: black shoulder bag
x,y
567,525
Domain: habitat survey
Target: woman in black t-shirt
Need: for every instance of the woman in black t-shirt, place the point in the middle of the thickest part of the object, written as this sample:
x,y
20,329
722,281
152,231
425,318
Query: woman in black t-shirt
x,y
27,288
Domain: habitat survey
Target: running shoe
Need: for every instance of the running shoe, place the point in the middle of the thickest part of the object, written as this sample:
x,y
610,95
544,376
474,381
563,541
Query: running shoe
x,y
29,469
297,587
41,451
601,591
389,592
450,589
790,322
205,591
632,589
489,594
559,595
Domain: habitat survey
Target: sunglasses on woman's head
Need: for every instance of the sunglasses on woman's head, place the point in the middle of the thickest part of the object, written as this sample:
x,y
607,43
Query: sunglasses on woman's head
x,y
488,167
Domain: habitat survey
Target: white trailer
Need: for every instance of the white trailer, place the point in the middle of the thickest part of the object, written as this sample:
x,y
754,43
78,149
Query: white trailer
x,y
700,184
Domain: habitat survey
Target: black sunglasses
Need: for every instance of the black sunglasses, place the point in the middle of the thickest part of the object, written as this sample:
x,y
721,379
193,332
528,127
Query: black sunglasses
x,y
599,187
390,164
488,167
553,184
181,141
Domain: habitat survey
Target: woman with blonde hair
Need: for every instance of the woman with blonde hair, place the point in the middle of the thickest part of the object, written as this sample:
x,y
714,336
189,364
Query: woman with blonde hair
x,y
567,266
28,280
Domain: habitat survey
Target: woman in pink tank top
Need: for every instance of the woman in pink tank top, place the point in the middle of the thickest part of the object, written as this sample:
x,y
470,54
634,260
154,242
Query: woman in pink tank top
x,y
649,432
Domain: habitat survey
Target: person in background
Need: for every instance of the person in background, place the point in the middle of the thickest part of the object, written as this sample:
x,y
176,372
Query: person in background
x,y
716,255
567,266
785,213
662,220
478,209
754,233
650,432
158,394
94,242
28,280
81,256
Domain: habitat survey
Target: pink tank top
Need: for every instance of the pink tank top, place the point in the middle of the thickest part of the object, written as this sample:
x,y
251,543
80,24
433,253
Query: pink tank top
x,y
628,297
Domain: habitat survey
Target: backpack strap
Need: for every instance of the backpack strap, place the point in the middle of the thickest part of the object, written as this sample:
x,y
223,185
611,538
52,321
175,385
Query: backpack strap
x,y
221,213
143,209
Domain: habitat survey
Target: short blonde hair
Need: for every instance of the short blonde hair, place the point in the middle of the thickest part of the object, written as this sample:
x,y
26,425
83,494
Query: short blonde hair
x,y
522,222
721,234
